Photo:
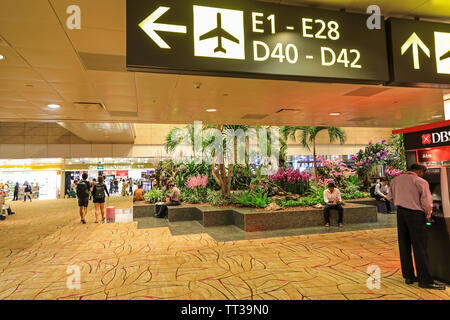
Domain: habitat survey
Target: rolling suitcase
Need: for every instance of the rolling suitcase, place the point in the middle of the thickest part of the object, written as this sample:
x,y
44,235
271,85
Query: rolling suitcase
x,y
110,214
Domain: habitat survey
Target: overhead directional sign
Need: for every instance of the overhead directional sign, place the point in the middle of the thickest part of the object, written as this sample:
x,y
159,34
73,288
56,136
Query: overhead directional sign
x,y
420,53
150,27
415,43
254,39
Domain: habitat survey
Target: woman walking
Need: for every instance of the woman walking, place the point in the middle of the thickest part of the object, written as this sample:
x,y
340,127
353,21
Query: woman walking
x,y
98,192
124,188
27,192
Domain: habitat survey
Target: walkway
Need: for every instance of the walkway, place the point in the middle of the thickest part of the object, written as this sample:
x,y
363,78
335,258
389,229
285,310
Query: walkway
x,y
120,261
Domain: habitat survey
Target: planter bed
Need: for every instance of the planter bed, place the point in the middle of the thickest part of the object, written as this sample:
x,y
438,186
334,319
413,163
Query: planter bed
x,y
381,207
251,219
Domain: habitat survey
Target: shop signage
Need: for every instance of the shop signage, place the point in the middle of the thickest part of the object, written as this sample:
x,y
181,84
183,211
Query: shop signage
x,y
254,39
122,174
420,53
427,139
433,155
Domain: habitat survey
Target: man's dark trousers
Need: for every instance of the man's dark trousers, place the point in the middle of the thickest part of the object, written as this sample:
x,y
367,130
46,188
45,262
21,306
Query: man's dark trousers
x,y
338,207
386,202
411,227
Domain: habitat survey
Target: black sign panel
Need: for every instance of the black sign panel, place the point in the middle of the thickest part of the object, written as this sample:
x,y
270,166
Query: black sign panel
x,y
439,137
254,39
420,53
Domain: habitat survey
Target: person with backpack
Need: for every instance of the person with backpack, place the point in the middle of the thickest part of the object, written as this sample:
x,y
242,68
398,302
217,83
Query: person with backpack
x,y
83,189
16,192
116,186
380,193
27,192
98,193
174,199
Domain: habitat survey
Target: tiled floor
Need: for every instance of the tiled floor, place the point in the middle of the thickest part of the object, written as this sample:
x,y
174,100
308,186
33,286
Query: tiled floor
x,y
120,261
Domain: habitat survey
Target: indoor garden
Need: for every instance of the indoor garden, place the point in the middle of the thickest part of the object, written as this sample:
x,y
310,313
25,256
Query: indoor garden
x,y
246,185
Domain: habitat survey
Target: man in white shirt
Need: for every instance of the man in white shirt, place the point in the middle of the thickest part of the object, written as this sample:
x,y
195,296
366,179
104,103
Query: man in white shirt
x,y
381,193
333,200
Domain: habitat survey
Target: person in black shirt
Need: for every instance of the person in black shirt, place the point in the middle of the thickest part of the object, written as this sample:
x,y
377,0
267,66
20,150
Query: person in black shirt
x,y
27,192
98,193
16,192
83,188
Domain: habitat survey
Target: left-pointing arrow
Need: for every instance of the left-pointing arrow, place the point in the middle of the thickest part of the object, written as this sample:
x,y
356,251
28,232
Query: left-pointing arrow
x,y
150,27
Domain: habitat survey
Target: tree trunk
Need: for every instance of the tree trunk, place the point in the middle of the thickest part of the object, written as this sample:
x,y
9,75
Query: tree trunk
x,y
316,178
222,178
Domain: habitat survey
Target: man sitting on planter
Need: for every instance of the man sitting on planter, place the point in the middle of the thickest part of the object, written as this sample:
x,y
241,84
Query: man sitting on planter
x,y
333,200
381,193
174,199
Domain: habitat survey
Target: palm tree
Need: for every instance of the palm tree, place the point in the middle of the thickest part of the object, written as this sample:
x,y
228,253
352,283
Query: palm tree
x,y
222,167
308,137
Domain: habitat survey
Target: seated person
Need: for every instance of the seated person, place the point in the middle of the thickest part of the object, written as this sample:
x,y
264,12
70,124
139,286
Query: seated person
x,y
173,200
3,206
381,193
138,194
333,200
175,196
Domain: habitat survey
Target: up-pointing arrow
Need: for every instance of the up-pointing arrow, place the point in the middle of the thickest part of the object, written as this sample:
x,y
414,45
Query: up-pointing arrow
x,y
150,27
415,42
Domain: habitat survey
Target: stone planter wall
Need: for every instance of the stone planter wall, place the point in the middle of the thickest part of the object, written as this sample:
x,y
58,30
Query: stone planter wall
x,y
252,221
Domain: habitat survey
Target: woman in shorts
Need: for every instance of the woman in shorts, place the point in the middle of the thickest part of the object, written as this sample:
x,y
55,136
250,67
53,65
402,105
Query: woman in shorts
x,y
99,192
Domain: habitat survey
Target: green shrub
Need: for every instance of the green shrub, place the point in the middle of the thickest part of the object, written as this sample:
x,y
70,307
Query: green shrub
x,y
193,196
155,195
303,202
258,199
355,195
216,198
241,197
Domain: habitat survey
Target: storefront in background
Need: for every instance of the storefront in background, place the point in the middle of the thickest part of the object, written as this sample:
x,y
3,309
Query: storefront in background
x,y
45,184
304,163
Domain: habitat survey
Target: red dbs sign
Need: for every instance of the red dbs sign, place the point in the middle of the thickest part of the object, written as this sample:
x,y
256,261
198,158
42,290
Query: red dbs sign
x,y
434,155
426,139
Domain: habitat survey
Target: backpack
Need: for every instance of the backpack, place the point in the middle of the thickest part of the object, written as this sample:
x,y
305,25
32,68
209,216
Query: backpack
x,y
28,188
83,189
372,191
99,191
160,211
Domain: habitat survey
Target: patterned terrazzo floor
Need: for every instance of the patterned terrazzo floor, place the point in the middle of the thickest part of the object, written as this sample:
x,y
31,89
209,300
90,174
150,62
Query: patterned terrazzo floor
x,y
118,261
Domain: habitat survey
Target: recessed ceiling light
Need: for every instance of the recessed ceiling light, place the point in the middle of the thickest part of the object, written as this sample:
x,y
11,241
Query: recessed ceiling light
x,y
211,110
436,117
335,114
54,106
2,57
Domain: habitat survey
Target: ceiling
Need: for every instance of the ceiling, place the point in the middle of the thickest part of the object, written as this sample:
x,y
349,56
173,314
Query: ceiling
x,y
84,72
102,132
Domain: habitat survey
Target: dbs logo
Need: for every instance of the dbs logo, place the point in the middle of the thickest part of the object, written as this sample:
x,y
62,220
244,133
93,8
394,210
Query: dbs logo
x,y
426,139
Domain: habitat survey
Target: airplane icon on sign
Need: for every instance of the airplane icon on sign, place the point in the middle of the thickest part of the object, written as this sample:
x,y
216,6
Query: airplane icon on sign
x,y
220,33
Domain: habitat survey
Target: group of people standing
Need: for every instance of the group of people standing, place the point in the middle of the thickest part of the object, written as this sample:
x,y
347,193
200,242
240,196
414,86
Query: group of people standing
x,y
95,190
125,186
27,189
